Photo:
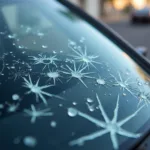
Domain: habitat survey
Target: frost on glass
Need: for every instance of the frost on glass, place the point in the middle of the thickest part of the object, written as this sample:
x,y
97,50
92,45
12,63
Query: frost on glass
x,y
34,114
53,75
15,97
77,72
81,54
53,124
111,126
12,107
18,73
103,81
30,141
45,60
38,90
125,84
143,96
91,107
2,61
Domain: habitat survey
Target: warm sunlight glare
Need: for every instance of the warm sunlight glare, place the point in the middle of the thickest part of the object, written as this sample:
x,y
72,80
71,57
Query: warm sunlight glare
x,y
120,4
139,3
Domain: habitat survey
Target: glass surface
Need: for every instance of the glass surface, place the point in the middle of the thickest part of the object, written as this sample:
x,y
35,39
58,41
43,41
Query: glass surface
x,y
64,85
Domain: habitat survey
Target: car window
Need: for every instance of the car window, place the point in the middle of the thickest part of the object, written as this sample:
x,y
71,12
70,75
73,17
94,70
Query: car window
x,y
64,84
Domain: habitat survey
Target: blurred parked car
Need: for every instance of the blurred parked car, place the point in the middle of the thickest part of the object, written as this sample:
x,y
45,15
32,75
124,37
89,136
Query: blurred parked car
x,y
142,15
67,82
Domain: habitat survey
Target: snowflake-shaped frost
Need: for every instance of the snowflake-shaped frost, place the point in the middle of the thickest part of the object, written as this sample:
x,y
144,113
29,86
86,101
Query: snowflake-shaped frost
x,y
37,113
2,58
102,81
113,127
143,96
46,61
55,75
38,90
17,74
82,56
12,107
77,73
123,84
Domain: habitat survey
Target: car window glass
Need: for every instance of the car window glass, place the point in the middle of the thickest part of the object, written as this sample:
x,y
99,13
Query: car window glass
x,y
64,84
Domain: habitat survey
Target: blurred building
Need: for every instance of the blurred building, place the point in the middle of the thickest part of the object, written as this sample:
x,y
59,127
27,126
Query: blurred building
x,y
110,7
138,4
92,7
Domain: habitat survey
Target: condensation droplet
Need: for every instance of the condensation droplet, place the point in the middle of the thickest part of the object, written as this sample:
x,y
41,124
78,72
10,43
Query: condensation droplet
x,y
60,105
20,47
89,100
30,141
53,124
147,83
74,103
72,112
124,94
90,107
15,97
23,52
44,46
97,107
40,34
54,52
101,81
139,83
82,39
1,106
12,67
72,42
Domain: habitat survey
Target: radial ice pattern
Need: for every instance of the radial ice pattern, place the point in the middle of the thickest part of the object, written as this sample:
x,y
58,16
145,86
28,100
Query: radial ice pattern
x,y
45,60
103,81
124,84
54,75
77,72
81,55
34,114
143,96
113,127
38,90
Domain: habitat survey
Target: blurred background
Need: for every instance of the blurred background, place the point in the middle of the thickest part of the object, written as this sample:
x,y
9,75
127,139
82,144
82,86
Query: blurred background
x,y
129,18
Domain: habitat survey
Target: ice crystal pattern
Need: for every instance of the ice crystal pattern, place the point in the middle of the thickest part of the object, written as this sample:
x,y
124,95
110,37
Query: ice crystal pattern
x,y
54,75
2,58
12,107
113,127
143,96
37,113
77,72
123,84
82,55
46,61
102,81
37,90
17,74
